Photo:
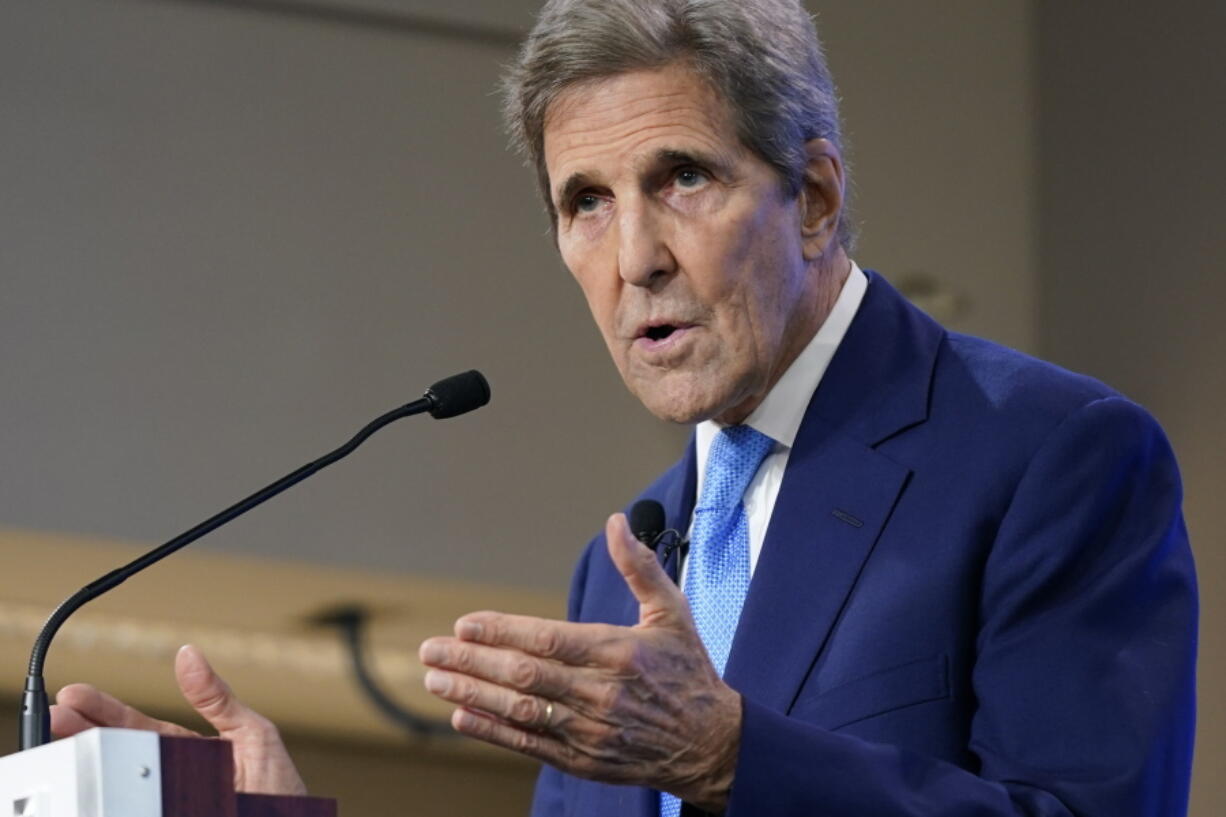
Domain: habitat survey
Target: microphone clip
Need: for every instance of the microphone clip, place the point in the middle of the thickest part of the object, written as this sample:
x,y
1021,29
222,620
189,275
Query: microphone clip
x,y
668,542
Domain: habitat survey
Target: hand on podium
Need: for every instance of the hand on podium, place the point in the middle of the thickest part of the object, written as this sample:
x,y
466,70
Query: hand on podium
x,y
262,764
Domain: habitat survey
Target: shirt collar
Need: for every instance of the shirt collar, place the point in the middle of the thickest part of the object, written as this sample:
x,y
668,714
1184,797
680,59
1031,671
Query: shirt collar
x,y
780,414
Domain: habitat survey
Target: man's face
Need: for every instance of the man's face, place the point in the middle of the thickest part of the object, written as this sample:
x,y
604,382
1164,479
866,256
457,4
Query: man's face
x,y
686,245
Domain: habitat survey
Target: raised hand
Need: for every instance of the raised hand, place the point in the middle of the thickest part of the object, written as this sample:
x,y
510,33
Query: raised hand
x,y
261,763
637,705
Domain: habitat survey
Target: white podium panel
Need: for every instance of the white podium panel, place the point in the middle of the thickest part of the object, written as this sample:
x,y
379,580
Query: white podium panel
x,y
99,773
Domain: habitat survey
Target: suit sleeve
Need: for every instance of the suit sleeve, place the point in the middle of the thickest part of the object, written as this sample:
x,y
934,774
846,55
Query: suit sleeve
x,y
547,799
1084,677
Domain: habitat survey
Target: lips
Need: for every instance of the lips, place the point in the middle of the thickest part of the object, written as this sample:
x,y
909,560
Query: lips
x,y
661,330
663,339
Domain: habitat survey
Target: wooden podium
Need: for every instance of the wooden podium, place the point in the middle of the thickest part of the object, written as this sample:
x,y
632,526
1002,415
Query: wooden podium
x,y
126,773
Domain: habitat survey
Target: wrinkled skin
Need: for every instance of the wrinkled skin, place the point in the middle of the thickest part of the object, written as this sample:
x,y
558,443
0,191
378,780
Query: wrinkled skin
x,y
664,218
638,705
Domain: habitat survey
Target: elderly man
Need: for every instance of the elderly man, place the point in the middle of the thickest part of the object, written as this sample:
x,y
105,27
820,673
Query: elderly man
x,y
925,575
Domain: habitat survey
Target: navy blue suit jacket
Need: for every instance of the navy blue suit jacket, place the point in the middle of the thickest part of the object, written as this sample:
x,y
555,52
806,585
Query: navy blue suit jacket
x,y
975,597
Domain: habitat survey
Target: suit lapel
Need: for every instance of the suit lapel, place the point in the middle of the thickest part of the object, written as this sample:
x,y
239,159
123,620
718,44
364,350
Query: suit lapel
x,y
678,495
837,495
831,508
678,504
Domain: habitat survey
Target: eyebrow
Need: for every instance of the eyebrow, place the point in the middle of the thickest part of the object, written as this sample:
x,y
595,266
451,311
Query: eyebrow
x,y
671,156
573,184
664,156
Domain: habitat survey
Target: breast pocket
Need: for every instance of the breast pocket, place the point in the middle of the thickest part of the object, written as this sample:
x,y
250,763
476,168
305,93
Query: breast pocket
x,y
876,693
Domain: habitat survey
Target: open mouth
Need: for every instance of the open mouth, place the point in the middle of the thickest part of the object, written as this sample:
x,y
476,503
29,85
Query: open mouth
x,y
658,332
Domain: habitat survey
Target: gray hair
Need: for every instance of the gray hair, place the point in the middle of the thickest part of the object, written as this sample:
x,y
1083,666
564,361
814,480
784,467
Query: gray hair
x,y
762,56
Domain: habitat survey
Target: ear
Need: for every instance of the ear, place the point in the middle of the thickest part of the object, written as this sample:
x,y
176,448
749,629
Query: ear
x,y
821,198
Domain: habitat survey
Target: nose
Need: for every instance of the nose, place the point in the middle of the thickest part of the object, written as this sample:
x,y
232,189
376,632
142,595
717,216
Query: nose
x,y
643,255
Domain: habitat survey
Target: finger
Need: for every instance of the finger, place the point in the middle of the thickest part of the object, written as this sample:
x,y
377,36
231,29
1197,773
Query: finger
x,y
525,741
209,695
543,746
565,641
100,709
660,601
506,667
261,762
529,711
66,721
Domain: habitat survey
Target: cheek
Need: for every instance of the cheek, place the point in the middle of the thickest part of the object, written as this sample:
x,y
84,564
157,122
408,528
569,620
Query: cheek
x,y
600,292
759,288
774,266
726,276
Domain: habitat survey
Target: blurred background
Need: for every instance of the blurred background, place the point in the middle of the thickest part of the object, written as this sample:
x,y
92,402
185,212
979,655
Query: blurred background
x,y
232,231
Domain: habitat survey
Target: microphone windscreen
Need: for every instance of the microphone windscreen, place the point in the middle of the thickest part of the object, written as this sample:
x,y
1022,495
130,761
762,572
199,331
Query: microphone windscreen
x,y
458,394
646,520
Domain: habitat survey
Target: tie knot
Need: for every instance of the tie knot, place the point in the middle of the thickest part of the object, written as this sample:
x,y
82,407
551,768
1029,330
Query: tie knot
x,y
735,456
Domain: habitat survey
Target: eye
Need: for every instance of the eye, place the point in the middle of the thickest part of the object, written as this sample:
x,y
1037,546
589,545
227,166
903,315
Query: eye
x,y
586,203
690,178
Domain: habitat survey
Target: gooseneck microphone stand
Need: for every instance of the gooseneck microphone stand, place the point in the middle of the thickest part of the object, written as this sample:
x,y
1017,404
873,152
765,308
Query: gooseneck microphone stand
x,y
447,398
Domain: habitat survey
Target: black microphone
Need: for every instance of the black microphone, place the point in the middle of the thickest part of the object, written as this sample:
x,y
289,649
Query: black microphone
x,y
458,394
449,397
647,523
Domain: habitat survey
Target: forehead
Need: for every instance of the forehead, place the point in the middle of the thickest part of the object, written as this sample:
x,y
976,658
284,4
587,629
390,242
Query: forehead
x,y
622,123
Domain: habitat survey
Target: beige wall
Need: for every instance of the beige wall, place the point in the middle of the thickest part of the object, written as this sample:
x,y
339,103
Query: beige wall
x,y
939,100
1132,247
231,237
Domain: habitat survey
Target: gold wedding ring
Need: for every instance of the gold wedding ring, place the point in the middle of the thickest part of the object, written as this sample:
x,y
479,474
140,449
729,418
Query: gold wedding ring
x,y
548,716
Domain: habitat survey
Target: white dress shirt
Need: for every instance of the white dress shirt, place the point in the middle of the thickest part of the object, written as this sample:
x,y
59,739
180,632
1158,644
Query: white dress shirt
x,y
780,414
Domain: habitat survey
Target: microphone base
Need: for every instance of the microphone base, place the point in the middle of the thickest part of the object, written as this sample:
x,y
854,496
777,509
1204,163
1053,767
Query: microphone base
x,y
35,727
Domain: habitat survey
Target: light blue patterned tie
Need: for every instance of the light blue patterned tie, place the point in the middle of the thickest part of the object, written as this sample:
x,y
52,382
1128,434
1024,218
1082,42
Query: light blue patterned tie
x,y
717,569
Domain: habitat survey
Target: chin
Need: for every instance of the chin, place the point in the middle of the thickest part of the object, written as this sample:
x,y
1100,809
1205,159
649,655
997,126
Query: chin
x,y
681,400
681,415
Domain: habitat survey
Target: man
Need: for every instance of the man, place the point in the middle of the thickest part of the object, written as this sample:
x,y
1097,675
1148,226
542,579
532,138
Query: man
x,y
926,575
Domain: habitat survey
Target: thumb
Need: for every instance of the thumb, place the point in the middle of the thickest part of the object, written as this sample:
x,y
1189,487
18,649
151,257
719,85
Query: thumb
x,y
208,694
660,601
